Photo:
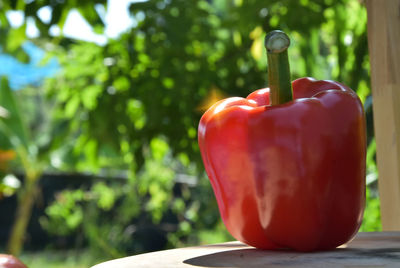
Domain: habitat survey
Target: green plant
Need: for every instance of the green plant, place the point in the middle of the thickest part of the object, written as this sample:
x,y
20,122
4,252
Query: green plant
x,y
113,214
14,135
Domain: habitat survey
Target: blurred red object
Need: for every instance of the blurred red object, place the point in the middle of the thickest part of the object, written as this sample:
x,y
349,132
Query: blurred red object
x,y
9,261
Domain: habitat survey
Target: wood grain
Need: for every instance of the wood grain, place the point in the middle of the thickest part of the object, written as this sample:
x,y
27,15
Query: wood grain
x,y
366,250
384,48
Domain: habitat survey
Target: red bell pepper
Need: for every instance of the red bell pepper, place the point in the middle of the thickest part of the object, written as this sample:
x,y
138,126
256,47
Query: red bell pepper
x,y
290,174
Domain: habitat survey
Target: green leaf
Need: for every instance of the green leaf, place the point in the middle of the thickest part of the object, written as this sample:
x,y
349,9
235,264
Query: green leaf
x,y
16,37
90,14
106,195
159,148
72,106
14,124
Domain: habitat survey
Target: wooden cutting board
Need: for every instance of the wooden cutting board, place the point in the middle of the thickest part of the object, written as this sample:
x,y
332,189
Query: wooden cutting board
x,y
380,249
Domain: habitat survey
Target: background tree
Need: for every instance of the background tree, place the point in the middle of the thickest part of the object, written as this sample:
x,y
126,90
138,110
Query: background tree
x,y
15,131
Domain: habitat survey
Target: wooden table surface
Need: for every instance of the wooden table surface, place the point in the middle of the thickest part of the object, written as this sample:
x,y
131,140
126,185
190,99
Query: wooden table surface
x,y
380,249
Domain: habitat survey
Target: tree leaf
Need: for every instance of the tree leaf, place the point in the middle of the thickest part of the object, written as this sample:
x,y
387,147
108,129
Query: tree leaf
x,y
16,127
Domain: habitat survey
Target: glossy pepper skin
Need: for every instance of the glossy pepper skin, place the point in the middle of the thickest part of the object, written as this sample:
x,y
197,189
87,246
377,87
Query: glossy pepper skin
x,y
289,175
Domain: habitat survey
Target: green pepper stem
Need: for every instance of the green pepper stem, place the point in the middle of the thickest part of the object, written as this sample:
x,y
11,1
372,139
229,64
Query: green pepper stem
x,y
276,43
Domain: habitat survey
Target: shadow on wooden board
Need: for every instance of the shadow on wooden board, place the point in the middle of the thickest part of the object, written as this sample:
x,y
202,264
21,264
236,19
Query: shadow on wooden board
x,y
341,257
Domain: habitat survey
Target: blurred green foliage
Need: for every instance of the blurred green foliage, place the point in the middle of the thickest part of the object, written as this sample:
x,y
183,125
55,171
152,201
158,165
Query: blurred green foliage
x,y
129,109
372,216
59,259
15,135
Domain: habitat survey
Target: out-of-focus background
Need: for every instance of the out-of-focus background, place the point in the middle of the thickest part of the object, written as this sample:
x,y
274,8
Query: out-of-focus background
x,y
100,102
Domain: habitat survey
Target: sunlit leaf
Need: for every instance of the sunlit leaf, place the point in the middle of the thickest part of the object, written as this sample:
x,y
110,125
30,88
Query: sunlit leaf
x,y
14,122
